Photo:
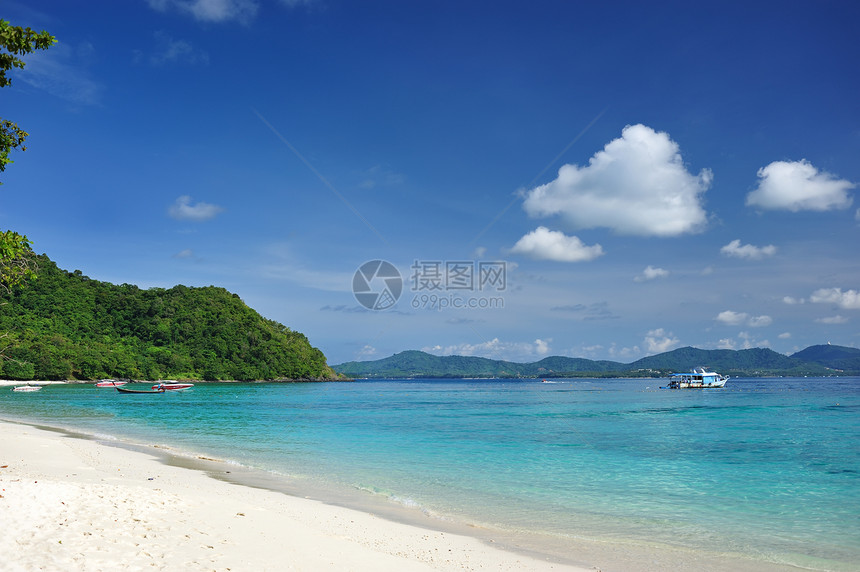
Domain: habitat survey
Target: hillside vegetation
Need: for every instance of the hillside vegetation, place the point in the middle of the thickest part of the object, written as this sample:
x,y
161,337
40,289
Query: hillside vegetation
x,y
63,325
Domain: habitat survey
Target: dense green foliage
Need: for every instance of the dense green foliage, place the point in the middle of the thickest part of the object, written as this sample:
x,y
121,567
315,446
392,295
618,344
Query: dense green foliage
x,y
741,363
64,325
17,260
836,357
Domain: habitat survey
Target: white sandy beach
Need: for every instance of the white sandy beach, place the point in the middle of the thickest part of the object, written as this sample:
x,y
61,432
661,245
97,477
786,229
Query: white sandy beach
x,y
75,504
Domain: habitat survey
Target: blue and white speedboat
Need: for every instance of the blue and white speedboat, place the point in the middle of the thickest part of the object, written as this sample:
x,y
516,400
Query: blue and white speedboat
x,y
696,379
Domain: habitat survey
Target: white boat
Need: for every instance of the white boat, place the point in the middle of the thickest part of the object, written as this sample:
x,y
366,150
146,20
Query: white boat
x,y
27,388
696,379
171,385
110,383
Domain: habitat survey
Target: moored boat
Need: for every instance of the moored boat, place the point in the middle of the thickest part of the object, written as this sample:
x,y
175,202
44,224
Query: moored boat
x,y
110,383
125,389
171,385
27,388
697,379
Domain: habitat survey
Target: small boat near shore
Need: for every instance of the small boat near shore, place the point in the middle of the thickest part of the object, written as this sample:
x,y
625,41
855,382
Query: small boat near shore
x,y
122,389
171,385
162,387
110,383
23,388
697,379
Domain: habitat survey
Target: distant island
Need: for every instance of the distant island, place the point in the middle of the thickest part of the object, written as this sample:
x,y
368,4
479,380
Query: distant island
x,y
821,360
65,326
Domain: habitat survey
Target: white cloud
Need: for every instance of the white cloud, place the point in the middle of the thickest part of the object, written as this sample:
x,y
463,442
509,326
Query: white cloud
x,y
659,341
366,352
747,251
832,320
792,301
784,335
799,186
637,185
730,318
170,51
61,72
848,300
187,253
183,209
210,10
744,342
760,321
750,342
624,353
651,273
496,349
545,244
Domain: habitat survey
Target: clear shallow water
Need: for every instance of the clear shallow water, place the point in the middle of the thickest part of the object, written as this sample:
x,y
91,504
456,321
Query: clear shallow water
x,y
769,469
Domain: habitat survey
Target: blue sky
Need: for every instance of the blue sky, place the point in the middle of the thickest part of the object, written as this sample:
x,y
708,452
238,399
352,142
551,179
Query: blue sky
x,y
648,175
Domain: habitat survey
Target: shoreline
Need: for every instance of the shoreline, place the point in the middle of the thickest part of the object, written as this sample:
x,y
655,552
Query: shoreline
x,y
387,530
83,505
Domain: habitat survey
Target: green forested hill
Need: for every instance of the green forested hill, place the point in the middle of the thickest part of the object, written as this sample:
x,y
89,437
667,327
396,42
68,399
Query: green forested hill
x,y
63,325
831,360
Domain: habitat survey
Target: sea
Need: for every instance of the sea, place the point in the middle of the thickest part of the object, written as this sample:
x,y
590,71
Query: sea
x,y
766,470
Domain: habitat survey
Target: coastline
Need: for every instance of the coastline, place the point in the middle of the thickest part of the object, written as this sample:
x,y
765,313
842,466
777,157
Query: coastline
x,y
119,505
77,504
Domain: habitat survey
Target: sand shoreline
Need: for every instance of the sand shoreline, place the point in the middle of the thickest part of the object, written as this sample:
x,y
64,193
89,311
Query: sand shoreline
x,y
99,505
76,504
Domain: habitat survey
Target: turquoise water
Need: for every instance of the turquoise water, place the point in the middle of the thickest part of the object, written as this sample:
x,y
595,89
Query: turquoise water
x,y
769,469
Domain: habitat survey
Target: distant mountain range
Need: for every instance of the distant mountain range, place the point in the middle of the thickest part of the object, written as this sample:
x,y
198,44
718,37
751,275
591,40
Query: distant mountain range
x,y
823,360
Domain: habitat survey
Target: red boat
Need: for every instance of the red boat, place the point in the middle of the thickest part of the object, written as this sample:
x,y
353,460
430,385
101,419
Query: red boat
x,y
171,386
110,383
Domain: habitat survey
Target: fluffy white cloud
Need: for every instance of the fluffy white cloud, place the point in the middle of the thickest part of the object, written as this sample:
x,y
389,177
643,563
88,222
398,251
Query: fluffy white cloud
x,y
651,273
730,318
832,320
637,185
799,186
792,301
183,209
784,335
848,300
366,352
659,341
210,10
760,321
744,341
748,251
750,342
495,349
545,244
